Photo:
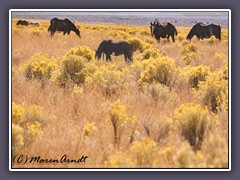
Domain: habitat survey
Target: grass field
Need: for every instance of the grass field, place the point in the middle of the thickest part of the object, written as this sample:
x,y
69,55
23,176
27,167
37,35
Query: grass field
x,y
169,108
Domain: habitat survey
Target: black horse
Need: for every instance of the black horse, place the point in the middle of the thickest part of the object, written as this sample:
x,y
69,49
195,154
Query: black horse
x,y
64,25
23,22
109,47
163,30
203,31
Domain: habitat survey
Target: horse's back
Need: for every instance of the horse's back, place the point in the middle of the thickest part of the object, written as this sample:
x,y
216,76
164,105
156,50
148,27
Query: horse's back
x,y
35,23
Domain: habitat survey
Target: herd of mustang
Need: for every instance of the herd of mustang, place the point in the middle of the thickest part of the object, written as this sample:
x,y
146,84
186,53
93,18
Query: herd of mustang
x,y
158,30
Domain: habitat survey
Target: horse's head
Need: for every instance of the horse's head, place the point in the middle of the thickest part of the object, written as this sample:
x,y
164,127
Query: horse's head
x,y
151,28
217,32
190,35
98,55
78,32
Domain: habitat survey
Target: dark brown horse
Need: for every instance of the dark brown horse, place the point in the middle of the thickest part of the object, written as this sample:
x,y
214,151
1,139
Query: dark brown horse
x,y
163,30
23,22
63,25
203,31
109,47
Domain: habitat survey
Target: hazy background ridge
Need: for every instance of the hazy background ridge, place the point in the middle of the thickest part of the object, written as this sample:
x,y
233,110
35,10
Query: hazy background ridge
x,y
136,18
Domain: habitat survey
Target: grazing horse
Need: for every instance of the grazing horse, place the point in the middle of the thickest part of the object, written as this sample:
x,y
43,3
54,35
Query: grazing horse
x,y
203,31
64,25
35,23
109,47
163,30
23,22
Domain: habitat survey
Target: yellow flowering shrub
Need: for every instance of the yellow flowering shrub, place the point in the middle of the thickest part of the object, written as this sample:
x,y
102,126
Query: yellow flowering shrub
x,y
157,91
145,32
219,56
185,42
15,31
89,129
33,129
17,113
151,53
142,154
214,90
160,70
83,51
189,48
119,160
27,124
189,57
34,31
138,44
186,157
194,121
215,151
166,125
40,66
145,152
119,118
17,137
72,69
224,35
212,40
109,78
34,113
195,74
77,90
180,37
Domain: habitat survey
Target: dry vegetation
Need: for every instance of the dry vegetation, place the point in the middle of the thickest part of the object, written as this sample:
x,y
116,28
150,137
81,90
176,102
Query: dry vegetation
x,y
169,108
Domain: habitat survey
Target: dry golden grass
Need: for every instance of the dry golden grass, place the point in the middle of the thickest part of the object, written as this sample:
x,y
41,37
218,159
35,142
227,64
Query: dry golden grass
x,y
66,113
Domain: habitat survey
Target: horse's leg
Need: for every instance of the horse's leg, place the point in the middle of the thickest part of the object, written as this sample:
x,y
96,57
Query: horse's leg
x,y
125,57
108,57
168,38
173,37
103,56
198,38
52,33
